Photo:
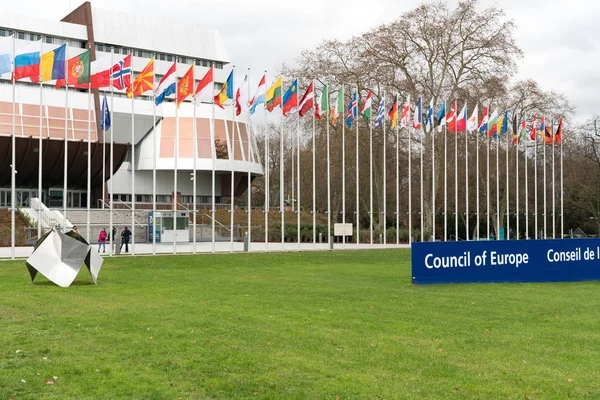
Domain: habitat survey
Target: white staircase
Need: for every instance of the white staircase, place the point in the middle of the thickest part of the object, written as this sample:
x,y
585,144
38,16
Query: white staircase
x,y
48,218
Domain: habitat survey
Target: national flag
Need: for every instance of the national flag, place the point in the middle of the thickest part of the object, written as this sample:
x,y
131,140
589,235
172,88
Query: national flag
x,y
515,128
441,117
417,117
260,95
53,64
185,86
559,132
365,111
429,117
451,118
483,125
307,101
206,88
143,82
121,73
523,137
99,74
78,71
461,120
533,130
273,95
167,85
393,113
352,110
503,123
493,124
543,124
405,116
338,106
226,91
322,106
27,62
548,134
380,117
241,90
472,123
105,121
6,55
290,98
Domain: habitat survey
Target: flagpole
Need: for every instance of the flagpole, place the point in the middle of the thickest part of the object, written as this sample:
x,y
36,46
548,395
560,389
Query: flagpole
x,y
421,134
248,162
562,191
371,181
328,175
213,149
40,146
175,159
487,139
298,175
343,169
477,134
13,157
281,176
383,225
194,166
133,170
409,181
535,189
154,138
66,165
445,172
397,174
266,174
89,163
455,171
517,185
498,184
432,180
526,194
553,195
546,187
232,161
357,178
506,234
314,188
466,179
112,148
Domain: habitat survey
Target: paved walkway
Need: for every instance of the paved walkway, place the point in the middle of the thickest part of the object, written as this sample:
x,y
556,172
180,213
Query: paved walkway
x,y
220,247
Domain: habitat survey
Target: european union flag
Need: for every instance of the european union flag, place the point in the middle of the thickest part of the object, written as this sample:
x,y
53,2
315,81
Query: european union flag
x,y
105,121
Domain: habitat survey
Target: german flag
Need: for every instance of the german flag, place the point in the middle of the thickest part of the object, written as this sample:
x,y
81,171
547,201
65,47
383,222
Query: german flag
x,y
143,82
393,113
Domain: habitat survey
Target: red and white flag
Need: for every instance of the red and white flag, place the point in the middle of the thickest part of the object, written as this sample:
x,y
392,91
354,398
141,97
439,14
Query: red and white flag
x,y
533,131
461,120
121,73
451,118
205,90
99,74
405,117
307,101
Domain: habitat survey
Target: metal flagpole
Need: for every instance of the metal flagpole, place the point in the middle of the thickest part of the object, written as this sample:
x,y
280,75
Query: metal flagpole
x,y
562,218
341,111
466,180
13,158
409,183
371,182
553,195
298,175
133,172
421,176
546,187
397,174
357,179
535,188
154,139
506,234
266,176
281,177
40,146
487,213
213,150
432,180
194,174
314,188
383,225
497,185
89,163
292,174
329,242
248,126
445,175
232,162
477,181
455,171
66,165
112,148
517,185
526,194
175,159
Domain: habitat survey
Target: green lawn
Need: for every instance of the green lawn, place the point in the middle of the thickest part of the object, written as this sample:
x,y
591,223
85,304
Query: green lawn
x,y
344,325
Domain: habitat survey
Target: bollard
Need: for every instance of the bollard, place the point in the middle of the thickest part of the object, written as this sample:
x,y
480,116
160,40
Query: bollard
x,y
330,242
380,238
246,242
320,237
117,248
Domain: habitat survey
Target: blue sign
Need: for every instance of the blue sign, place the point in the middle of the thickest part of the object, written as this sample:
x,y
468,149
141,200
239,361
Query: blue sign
x,y
561,260
151,222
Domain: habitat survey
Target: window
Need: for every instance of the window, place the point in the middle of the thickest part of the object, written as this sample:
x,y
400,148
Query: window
x,y
49,39
3,32
162,57
206,63
21,35
169,57
163,198
100,47
218,65
183,60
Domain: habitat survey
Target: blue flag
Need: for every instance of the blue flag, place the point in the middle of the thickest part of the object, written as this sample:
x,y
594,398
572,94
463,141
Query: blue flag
x,y
105,121
380,111
429,116
352,110
441,117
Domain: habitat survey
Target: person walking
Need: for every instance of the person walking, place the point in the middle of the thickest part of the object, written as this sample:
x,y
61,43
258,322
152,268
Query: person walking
x,y
125,236
102,240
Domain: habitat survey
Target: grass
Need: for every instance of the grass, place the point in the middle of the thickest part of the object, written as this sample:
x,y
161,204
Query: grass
x,y
345,325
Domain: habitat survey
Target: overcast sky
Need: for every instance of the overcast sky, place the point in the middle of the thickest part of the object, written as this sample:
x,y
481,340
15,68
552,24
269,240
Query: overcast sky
x,y
562,48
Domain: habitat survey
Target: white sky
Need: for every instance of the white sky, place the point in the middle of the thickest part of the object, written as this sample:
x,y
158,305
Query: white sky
x,y
559,39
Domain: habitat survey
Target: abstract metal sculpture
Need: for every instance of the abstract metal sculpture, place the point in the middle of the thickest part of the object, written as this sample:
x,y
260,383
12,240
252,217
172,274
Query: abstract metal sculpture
x,y
59,257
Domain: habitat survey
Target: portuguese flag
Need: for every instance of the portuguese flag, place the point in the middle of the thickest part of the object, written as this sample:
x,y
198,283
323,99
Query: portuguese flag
x,y
78,70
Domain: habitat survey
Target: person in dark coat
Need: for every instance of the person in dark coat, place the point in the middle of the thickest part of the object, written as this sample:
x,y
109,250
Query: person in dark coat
x,y
125,236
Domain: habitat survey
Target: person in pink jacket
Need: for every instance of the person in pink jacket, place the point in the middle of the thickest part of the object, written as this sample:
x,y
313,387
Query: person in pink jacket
x,y
102,240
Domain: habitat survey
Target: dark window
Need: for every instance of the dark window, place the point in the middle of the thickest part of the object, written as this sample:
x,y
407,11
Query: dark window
x,y
21,35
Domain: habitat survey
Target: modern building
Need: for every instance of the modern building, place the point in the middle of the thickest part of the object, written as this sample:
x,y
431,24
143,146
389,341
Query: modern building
x,y
65,119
